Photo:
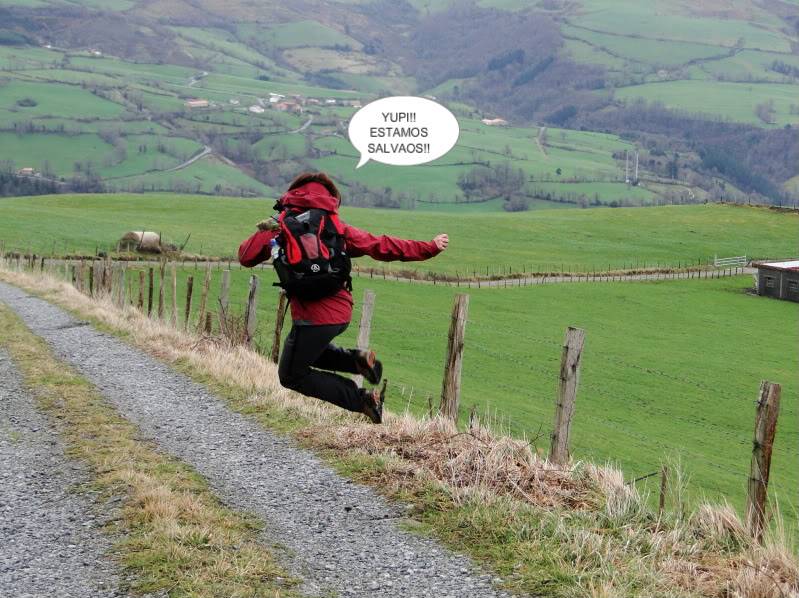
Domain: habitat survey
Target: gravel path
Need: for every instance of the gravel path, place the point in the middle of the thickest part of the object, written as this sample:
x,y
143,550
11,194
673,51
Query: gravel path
x,y
49,544
341,537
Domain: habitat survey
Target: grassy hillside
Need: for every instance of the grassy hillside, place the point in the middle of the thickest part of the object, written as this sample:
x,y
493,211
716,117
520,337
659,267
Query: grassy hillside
x,y
711,60
539,240
71,95
321,53
670,369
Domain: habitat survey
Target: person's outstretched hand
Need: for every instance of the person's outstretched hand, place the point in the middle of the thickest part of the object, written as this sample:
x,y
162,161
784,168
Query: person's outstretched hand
x,y
441,241
268,224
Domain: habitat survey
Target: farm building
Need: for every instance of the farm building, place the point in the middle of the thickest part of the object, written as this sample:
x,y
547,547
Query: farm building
x,y
255,109
495,122
289,106
197,103
778,279
27,171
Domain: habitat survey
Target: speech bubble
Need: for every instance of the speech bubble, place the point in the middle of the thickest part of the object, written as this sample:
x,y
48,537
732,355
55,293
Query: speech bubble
x,y
403,131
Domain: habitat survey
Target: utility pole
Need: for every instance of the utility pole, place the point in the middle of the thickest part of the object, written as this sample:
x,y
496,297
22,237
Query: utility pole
x,y
626,167
636,167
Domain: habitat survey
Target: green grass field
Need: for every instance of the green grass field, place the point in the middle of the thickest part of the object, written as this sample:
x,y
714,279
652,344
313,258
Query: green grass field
x,y
54,100
541,239
736,101
670,369
674,22
60,151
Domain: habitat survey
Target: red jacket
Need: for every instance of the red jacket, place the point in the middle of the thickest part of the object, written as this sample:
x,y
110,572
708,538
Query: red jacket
x,y
336,309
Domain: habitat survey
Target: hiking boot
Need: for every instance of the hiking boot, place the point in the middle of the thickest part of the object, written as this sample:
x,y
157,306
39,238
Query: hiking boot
x,y
373,403
368,365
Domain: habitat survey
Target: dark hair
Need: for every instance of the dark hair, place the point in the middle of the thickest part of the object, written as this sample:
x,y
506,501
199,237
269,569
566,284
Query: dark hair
x,y
316,177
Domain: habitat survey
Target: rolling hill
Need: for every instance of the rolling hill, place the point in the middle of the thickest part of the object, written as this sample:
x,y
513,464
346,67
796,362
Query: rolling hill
x,y
698,94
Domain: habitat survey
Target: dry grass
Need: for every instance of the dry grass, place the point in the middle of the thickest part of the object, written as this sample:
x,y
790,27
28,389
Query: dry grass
x,y
575,531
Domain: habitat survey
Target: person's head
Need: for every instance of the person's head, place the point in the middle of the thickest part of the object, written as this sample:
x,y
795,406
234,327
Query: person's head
x,y
316,177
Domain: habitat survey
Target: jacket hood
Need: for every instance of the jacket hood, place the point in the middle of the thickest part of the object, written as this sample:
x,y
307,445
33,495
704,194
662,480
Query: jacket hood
x,y
310,195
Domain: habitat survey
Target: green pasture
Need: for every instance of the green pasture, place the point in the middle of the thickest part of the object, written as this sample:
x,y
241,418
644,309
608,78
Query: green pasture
x,y
53,99
116,66
736,101
673,22
670,369
655,53
142,155
538,240
243,85
60,75
208,175
281,146
74,125
579,155
24,57
374,84
483,207
59,151
750,64
220,41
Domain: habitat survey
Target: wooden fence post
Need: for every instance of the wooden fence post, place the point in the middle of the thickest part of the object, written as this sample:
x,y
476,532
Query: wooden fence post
x,y
109,277
79,282
174,316
113,283
122,300
280,315
208,323
451,386
140,302
224,302
664,486
150,282
204,297
567,393
189,288
91,279
250,311
768,409
161,280
365,327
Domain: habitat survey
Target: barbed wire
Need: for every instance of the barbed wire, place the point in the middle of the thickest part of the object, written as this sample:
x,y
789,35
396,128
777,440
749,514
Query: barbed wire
x,y
426,323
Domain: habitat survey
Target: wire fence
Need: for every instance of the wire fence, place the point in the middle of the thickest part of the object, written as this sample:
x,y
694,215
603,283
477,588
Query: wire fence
x,y
512,388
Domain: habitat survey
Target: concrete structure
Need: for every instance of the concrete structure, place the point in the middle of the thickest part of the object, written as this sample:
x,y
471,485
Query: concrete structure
x,y
778,279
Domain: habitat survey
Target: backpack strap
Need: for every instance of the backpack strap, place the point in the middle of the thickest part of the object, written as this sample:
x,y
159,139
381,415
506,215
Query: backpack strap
x,y
336,222
291,247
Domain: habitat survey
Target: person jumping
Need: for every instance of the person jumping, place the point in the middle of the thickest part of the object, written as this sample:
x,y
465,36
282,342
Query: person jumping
x,y
310,248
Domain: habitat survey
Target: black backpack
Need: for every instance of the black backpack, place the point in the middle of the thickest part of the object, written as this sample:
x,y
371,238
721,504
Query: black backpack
x,y
311,261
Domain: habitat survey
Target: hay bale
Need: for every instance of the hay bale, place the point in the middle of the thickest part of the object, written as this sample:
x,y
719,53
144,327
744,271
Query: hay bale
x,y
142,241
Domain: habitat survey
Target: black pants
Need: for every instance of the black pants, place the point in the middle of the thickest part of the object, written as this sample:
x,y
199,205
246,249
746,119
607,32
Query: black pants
x,y
309,347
